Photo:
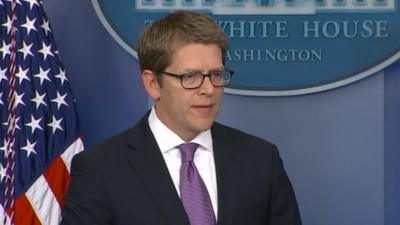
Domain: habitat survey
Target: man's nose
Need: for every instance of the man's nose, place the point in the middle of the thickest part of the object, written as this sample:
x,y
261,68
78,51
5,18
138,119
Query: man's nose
x,y
207,87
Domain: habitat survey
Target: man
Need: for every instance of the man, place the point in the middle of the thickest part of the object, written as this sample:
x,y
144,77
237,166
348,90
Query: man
x,y
177,166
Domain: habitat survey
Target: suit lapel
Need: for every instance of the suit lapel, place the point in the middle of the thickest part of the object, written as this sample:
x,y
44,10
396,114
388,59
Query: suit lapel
x,y
150,166
228,169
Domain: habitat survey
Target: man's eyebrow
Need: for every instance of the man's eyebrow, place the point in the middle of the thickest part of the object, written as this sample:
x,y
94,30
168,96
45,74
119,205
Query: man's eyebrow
x,y
201,71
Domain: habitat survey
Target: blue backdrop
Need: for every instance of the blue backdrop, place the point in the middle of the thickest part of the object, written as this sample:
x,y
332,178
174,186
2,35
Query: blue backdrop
x,y
340,147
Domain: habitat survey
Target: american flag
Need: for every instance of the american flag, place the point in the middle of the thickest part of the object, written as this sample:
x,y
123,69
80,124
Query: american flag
x,y
39,131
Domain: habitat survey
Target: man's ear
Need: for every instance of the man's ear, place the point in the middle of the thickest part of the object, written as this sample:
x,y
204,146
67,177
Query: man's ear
x,y
151,84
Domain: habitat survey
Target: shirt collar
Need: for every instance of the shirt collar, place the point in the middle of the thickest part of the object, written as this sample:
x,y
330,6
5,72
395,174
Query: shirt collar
x,y
167,139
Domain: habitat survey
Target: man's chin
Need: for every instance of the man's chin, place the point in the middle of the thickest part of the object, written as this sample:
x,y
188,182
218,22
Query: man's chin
x,y
203,125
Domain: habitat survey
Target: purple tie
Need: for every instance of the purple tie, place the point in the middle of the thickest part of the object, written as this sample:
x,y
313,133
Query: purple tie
x,y
194,193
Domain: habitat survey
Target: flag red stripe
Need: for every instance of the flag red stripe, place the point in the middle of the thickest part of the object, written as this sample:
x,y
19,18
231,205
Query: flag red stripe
x,y
24,213
58,178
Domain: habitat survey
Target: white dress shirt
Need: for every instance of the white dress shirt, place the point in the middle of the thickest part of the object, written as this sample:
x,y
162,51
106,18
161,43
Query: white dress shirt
x,y
167,141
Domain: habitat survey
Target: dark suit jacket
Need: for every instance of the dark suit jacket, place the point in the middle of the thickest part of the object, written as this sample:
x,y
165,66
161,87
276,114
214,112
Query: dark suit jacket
x,y
125,181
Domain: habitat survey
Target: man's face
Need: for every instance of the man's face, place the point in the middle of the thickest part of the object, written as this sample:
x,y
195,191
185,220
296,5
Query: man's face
x,y
189,112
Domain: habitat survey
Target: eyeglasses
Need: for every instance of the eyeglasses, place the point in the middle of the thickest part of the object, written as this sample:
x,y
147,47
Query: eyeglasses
x,y
194,80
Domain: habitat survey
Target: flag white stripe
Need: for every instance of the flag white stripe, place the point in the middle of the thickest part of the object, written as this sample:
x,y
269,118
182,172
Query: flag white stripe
x,y
2,215
69,153
43,202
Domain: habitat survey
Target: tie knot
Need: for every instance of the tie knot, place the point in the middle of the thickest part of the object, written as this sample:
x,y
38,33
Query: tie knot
x,y
187,151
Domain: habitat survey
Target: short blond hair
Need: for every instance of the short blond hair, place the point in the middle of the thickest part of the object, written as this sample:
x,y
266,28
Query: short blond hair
x,y
158,41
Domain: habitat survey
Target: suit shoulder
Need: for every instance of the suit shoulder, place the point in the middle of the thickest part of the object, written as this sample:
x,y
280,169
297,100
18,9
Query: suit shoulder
x,y
108,147
239,136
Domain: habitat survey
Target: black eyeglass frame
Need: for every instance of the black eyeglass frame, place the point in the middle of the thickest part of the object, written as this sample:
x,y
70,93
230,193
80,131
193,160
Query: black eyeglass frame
x,y
209,74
